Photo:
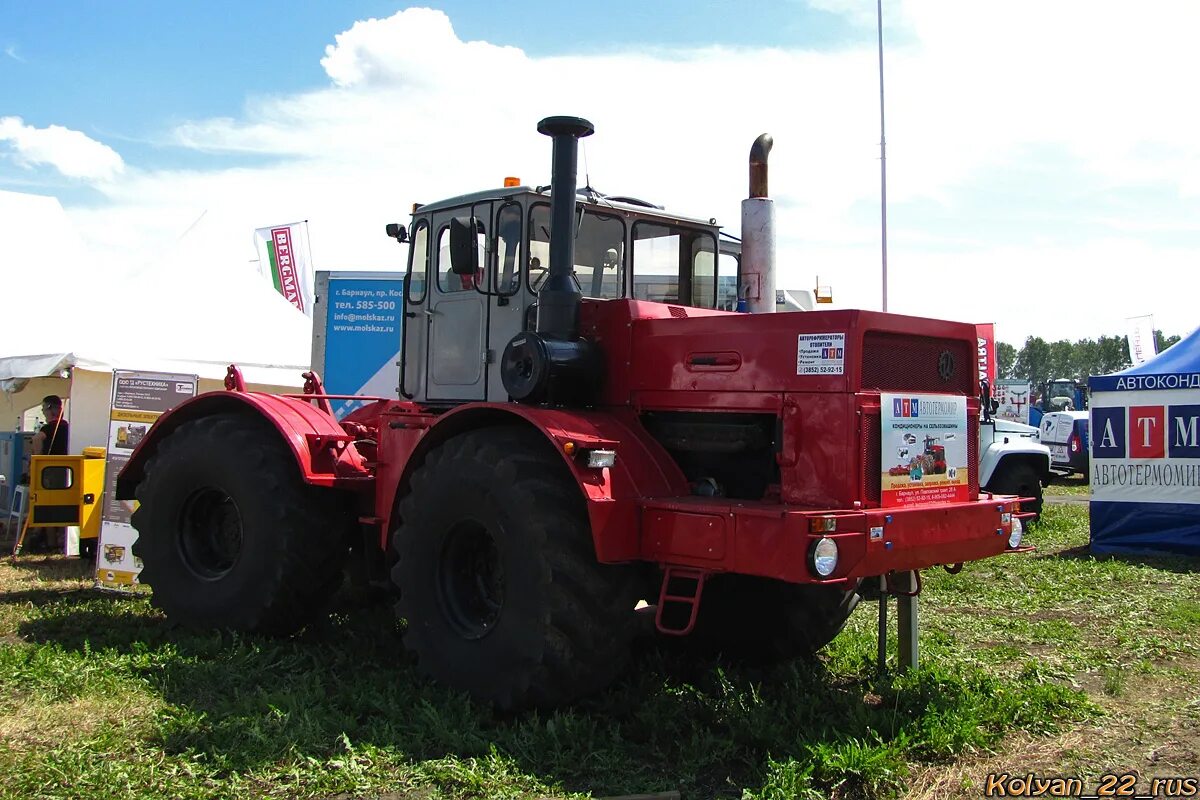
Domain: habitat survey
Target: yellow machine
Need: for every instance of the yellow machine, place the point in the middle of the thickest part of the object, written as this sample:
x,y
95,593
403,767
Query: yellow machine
x,y
66,490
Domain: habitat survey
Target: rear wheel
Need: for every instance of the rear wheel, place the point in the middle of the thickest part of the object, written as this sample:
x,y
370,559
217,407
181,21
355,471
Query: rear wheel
x,y
498,577
229,534
1020,479
762,620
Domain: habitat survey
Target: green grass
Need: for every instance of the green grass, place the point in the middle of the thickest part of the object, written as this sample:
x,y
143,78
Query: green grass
x,y
101,697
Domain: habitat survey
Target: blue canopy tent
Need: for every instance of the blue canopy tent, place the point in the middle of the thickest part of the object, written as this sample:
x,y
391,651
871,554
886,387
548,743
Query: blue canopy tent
x,y
1145,437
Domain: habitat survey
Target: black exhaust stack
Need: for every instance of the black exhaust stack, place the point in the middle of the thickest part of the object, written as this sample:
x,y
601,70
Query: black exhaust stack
x,y
559,298
552,364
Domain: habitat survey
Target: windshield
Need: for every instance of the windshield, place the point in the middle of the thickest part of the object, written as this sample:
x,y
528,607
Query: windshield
x,y
599,252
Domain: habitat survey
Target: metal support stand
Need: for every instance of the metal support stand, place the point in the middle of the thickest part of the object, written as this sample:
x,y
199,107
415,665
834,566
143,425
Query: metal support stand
x,y
883,625
906,586
906,620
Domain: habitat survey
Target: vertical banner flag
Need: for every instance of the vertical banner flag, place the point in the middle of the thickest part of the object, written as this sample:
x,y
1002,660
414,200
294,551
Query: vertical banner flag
x,y
138,399
985,339
924,441
1141,339
283,259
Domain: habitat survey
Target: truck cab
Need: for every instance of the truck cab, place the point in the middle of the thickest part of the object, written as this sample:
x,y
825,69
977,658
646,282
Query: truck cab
x,y
458,322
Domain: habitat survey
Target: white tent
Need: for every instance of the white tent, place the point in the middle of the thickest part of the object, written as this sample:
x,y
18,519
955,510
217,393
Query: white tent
x,y
66,325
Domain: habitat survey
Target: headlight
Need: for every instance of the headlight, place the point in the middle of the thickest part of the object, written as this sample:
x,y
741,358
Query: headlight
x,y
597,459
1018,530
824,557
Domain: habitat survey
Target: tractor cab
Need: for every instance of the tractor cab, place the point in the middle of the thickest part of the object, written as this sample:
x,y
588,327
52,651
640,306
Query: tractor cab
x,y
477,262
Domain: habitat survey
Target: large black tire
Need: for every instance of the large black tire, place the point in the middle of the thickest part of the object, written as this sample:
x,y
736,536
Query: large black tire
x,y
1020,479
498,577
763,621
229,534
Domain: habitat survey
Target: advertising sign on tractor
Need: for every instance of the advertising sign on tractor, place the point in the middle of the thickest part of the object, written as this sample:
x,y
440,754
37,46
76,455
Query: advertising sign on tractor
x,y
924,440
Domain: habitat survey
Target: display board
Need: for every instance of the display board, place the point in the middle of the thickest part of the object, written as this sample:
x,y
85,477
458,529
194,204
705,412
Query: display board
x,y
924,441
356,335
1013,399
138,399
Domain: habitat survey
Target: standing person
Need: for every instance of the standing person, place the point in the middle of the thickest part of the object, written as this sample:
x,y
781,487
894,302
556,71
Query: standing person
x,y
51,438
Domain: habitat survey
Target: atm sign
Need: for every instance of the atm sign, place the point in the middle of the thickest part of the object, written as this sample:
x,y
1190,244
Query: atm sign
x,y
1146,432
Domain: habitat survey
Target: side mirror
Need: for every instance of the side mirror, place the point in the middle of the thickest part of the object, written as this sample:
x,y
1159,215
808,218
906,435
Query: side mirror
x,y
397,231
985,399
464,246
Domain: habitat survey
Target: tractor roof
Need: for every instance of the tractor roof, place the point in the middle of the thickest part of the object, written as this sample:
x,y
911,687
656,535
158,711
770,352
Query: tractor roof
x,y
584,194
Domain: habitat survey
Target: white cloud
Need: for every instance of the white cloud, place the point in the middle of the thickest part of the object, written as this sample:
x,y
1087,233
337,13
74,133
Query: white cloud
x,y
415,47
72,153
413,113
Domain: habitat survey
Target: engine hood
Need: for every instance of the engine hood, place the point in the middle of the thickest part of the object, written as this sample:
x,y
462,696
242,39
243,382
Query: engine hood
x,y
1011,428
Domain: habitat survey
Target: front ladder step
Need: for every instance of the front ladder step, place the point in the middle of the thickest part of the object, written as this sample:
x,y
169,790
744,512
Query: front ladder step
x,y
681,587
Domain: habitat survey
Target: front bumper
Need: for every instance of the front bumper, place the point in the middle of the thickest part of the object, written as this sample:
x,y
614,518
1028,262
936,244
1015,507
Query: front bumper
x,y
775,541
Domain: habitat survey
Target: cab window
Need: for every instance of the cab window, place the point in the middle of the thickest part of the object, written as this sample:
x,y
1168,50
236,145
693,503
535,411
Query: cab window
x,y
447,280
673,264
727,280
419,264
599,251
508,250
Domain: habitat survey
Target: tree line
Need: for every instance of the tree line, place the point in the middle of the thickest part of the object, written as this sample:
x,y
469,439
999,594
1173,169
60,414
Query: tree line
x,y
1038,361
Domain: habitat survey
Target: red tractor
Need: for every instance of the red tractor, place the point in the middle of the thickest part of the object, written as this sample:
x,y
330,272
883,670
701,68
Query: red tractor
x,y
935,456
580,427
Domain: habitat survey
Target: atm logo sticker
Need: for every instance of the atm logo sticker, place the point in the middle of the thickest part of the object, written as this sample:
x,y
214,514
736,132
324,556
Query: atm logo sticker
x,y
1146,432
906,407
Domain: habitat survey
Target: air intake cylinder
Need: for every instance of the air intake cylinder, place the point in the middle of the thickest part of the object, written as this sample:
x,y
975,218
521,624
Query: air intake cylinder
x,y
552,364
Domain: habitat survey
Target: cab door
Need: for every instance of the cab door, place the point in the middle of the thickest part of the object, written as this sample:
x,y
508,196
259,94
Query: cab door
x,y
457,316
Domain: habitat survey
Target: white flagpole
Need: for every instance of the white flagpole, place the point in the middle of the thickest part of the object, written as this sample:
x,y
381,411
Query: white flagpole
x,y
882,155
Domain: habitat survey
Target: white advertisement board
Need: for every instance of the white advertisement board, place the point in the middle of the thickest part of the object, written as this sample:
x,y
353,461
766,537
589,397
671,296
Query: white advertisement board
x,y
1146,446
138,399
1013,397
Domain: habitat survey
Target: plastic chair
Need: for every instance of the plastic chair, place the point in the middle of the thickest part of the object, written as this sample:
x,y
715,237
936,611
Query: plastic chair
x,y
18,509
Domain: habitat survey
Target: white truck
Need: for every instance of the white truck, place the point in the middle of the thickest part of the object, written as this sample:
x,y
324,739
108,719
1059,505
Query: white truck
x,y
1012,460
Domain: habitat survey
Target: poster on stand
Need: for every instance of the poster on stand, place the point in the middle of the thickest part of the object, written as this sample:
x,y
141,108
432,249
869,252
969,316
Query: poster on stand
x,y
924,441
356,335
1013,397
138,399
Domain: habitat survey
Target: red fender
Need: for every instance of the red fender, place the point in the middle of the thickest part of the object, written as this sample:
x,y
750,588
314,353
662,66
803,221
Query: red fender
x,y
642,469
325,453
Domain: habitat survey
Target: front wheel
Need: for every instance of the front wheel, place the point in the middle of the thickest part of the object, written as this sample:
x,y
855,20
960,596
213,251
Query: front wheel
x,y
498,577
230,535
1018,479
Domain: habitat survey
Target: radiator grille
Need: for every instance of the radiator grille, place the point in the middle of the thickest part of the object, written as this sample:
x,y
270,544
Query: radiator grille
x,y
872,479
900,362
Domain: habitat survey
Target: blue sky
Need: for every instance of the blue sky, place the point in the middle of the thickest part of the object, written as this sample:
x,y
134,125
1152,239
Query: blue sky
x,y
1044,163
128,71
